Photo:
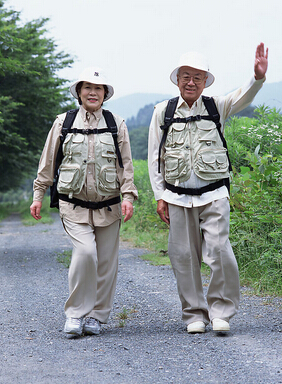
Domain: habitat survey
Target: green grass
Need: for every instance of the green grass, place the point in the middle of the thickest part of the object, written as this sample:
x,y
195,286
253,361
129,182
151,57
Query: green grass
x,y
64,258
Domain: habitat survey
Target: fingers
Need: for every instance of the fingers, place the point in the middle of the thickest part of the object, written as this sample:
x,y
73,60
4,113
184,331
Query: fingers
x,y
162,210
35,209
127,210
260,51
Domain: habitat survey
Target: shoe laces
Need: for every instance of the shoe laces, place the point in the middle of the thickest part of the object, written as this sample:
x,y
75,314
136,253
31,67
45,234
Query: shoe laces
x,y
74,321
91,321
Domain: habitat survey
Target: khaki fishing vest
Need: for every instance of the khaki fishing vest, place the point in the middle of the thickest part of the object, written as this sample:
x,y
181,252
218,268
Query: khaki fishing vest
x,y
73,169
196,146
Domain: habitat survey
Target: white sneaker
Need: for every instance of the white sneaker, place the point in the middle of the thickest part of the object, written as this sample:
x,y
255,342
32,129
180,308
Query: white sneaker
x,y
92,326
220,325
73,327
196,327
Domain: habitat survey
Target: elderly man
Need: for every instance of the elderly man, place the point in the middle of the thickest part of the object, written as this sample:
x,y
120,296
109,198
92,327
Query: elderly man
x,y
189,172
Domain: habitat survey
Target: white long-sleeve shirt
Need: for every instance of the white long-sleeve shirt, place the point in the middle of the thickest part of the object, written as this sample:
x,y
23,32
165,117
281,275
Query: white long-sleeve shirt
x,y
227,105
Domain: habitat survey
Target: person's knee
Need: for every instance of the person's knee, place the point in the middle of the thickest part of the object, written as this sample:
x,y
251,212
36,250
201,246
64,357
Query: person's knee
x,y
85,252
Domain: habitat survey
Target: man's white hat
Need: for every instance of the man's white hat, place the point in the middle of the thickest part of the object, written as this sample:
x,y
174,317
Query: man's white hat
x,y
92,75
193,60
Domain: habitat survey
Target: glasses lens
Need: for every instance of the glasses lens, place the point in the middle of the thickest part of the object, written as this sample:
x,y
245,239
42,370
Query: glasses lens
x,y
196,79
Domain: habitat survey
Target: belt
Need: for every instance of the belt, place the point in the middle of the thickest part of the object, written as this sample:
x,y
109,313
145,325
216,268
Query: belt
x,y
198,191
90,204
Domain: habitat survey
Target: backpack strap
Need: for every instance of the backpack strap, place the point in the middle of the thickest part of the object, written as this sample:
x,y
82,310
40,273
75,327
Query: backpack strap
x,y
67,124
169,113
111,124
213,112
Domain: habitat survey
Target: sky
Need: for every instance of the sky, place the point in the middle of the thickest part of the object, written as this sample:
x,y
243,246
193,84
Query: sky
x,y
139,42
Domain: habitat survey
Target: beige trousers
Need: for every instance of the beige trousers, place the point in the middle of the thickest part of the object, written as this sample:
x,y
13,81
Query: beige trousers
x,y
203,233
93,269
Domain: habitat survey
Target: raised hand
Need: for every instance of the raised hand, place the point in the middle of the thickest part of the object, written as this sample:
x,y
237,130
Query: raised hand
x,y
261,62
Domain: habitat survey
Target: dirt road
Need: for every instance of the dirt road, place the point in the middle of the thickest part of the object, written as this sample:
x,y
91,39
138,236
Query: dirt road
x,y
151,346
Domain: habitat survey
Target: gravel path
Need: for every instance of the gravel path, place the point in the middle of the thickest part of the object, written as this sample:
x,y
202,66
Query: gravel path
x,y
152,346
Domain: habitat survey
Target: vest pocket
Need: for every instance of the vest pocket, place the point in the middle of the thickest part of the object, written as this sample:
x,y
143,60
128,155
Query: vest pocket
x,y
68,179
107,180
175,135
176,168
211,164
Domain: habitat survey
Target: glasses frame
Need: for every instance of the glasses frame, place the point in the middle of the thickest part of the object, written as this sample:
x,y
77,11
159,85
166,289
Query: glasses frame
x,y
186,79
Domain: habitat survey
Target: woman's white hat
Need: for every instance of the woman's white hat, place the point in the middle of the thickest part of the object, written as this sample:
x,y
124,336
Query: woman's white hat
x,y
92,75
193,60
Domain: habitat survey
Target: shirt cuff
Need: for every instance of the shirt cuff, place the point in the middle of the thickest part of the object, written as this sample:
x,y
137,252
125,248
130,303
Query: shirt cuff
x,y
129,197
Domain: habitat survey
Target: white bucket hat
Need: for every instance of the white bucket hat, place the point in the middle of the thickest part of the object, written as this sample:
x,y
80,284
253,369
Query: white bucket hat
x,y
92,75
193,60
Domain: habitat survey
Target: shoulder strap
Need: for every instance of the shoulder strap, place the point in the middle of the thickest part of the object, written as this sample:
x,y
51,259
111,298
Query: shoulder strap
x,y
213,112
67,124
169,113
111,124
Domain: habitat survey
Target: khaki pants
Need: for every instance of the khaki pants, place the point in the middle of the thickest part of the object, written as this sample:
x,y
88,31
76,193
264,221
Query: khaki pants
x,y
203,233
93,269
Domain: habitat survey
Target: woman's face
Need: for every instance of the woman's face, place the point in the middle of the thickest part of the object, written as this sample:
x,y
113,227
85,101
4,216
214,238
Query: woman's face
x,y
92,96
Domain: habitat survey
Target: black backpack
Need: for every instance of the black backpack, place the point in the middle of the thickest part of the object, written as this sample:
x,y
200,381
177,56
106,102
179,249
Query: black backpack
x,y
67,124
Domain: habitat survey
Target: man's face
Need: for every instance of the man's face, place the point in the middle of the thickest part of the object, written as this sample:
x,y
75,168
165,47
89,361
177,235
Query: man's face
x,y
191,83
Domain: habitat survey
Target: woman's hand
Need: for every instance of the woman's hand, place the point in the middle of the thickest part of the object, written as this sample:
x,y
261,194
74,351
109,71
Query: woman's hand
x,y
35,209
126,210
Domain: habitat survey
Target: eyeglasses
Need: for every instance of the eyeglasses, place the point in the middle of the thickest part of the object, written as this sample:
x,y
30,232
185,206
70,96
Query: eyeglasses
x,y
197,79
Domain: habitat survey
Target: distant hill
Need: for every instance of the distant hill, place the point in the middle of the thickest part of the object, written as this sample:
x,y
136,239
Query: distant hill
x,y
270,95
130,106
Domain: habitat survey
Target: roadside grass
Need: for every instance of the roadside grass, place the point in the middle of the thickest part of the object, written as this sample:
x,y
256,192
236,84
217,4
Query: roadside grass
x,y
124,315
64,258
6,209
22,208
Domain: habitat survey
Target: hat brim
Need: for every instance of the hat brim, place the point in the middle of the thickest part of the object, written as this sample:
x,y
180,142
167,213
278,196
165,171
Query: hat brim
x,y
74,93
209,81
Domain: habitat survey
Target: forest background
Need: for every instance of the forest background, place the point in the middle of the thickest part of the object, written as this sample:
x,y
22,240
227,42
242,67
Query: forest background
x,y
31,94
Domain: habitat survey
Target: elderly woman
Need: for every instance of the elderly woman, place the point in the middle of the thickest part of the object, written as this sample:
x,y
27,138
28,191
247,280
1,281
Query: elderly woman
x,y
93,173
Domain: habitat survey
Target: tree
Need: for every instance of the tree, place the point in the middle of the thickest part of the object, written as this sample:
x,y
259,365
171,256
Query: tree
x,y
31,94
139,143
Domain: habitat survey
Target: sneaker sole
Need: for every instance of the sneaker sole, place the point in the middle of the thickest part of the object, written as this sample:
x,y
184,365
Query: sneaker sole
x,y
91,332
221,329
71,334
200,330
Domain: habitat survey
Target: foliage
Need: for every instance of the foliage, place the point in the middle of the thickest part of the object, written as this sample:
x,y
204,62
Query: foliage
x,y
139,143
145,229
31,94
243,135
256,218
